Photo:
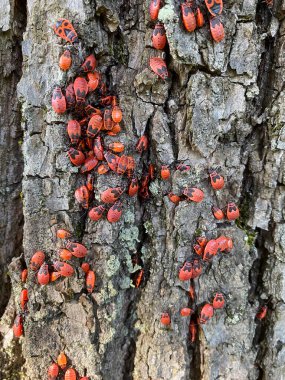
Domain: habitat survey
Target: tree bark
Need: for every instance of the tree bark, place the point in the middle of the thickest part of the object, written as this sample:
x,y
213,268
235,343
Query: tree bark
x,y
223,106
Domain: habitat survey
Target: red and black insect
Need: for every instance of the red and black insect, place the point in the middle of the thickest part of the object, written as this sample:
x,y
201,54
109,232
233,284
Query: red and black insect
x,y
224,244
262,312
74,131
142,144
199,18
186,272
232,211
117,114
154,9
159,67
93,81
80,89
103,168
58,101
90,281
107,118
82,196
217,29
165,319
192,331
64,269
37,260
98,148
218,213
43,274
65,60
70,96
217,181
122,164
186,312
133,187
64,29
96,213
24,298
70,374
215,7
183,167
111,195
112,160
94,126
188,16
137,278
159,37
143,190
85,267
18,328
207,312
116,147
24,275
89,164
196,268
202,241
194,194
115,212
53,371
89,63
198,249
62,360
165,172
90,182
115,130
174,198
65,254
54,276
77,249
76,156
218,301
131,166
211,250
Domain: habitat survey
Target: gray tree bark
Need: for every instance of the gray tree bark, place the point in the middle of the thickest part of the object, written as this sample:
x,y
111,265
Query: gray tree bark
x,y
223,106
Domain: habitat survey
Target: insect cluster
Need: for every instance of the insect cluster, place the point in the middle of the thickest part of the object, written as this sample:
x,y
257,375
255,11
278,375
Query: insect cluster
x,y
59,368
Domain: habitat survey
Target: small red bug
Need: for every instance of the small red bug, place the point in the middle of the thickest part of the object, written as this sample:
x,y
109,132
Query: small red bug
x,y
218,301
115,212
74,131
82,196
165,319
103,168
142,144
96,213
65,60
159,67
93,81
186,272
183,167
154,9
90,182
54,276
64,269
111,195
64,29
215,7
131,166
133,187
192,331
37,260
63,234
174,198
77,249
261,314
89,164
186,312
199,18
62,360
217,29
117,147
107,118
138,277
202,241
70,96
159,37
115,130
43,274
194,194
90,281
98,148
165,172
24,298
122,164
94,126
85,267
151,171
217,181
18,328
53,371
191,292
211,250
188,16
206,313
58,101
112,160
24,275
196,268
230,245
70,374
143,190
117,114
232,211
89,63
80,89
218,213
198,249
76,157
65,254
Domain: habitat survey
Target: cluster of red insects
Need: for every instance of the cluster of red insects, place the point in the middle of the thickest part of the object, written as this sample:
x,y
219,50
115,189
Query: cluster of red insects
x,y
60,367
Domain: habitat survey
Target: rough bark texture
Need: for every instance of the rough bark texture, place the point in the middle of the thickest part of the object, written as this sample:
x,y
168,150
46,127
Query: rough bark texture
x,y
223,106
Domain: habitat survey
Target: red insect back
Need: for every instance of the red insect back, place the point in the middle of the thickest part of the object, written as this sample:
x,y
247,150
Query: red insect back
x,y
138,277
74,131
64,269
222,242
53,371
198,249
211,250
103,168
122,164
43,274
217,181
70,96
218,213
80,89
85,267
54,276
217,29
215,7
108,121
76,156
70,374
131,166
65,254
94,126
24,298
93,81
77,249
115,212
199,18
218,301
186,272
188,16
90,281
142,144
24,275
232,211
18,328
159,37
159,67
90,182
89,164
37,260
111,195
98,148
196,268
194,194
261,314
62,360
117,114
65,60
207,313
154,9
186,312
174,198
96,213
112,160
165,172
202,241
89,63
58,101
82,196
64,29
133,187
165,319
